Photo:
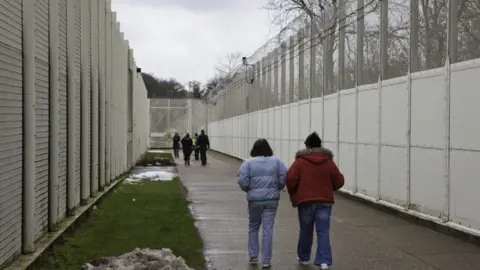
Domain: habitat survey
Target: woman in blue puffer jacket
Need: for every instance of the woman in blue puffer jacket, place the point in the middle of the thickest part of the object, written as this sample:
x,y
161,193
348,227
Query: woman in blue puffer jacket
x,y
262,176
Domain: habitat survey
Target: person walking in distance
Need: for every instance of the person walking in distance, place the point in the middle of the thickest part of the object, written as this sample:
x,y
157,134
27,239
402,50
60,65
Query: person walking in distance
x,y
187,144
176,145
311,182
204,144
195,146
262,176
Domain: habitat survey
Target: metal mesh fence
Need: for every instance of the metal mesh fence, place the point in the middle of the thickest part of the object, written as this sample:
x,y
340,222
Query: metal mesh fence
x,y
351,43
170,116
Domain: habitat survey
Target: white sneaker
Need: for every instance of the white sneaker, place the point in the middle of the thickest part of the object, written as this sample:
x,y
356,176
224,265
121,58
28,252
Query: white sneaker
x,y
324,266
302,262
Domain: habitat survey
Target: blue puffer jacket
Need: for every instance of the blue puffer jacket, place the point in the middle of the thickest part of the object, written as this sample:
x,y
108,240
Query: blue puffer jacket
x,y
262,178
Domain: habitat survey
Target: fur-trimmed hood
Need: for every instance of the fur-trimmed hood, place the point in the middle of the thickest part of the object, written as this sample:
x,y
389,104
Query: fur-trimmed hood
x,y
315,155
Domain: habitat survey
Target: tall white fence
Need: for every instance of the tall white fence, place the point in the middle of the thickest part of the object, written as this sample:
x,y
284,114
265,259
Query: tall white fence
x,y
73,113
408,140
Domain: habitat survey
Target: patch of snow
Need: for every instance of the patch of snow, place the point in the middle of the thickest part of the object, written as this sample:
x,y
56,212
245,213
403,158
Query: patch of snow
x,y
152,175
141,259
158,151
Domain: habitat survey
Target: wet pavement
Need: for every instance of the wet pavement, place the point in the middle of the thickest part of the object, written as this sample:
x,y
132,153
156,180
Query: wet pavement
x,y
362,237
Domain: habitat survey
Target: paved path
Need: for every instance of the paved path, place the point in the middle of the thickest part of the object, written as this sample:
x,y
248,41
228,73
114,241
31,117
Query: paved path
x,y
362,237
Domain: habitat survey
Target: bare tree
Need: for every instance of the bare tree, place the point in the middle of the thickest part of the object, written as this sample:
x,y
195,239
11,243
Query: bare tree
x,y
228,67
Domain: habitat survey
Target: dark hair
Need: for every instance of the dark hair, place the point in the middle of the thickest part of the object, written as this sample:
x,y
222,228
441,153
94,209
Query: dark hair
x,y
313,141
261,148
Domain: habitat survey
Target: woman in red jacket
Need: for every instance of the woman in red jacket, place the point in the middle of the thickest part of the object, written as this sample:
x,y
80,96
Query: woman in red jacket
x,y
311,181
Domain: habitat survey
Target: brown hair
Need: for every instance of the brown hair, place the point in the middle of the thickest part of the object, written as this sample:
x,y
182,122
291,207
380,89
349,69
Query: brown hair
x,y
261,148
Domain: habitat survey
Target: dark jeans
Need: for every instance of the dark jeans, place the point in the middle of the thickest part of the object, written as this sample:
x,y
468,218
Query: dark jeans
x,y
203,156
318,214
197,154
175,152
186,155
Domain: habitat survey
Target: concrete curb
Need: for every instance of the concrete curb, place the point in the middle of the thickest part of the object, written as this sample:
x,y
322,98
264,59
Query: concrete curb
x,y
418,219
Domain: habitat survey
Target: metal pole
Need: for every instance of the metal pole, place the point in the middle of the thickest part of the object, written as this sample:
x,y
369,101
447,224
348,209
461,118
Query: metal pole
x,y
313,73
283,97
383,39
54,112
379,142
359,78
409,139
414,25
85,190
108,95
71,88
453,30
168,114
28,235
101,40
341,45
113,114
301,80
94,101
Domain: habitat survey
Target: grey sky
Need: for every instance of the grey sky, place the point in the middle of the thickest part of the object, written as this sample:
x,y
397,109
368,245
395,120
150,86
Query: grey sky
x,y
184,39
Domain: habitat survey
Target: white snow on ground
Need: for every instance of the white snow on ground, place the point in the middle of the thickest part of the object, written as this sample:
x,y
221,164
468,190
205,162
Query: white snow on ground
x,y
141,259
151,175
158,151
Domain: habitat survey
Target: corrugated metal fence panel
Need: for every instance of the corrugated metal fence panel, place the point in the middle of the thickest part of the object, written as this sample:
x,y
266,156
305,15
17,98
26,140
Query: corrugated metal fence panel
x,y
62,170
78,111
11,133
89,64
94,80
42,116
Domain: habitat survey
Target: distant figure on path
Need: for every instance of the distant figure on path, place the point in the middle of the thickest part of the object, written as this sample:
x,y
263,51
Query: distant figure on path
x,y
187,144
176,145
311,181
263,177
204,144
195,146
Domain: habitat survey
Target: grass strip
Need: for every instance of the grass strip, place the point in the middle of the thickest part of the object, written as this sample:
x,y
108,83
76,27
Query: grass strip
x,y
147,215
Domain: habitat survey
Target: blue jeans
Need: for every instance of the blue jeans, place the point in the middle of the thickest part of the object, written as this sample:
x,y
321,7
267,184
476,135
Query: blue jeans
x,y
261,214
317,214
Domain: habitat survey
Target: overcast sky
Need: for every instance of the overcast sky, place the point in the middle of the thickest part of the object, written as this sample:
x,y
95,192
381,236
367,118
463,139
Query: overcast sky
x,y
184,39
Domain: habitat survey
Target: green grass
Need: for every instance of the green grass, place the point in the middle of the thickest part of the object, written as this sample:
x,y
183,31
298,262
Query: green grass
x,y
149,157
159,218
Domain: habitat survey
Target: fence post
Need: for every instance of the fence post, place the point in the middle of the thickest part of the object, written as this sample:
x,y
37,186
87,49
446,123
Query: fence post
x,y
28,236
301,82
379,137
94,101
54,112
447,78
383,39
71,88
313,73
108,95
282,96
102,89
452,31
409,138
85,190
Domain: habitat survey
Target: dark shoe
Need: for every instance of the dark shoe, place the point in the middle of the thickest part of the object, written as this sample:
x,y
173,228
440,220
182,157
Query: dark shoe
x,y
253,260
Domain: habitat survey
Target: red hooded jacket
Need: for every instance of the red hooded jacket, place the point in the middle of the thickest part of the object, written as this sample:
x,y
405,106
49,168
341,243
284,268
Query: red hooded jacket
x,y
313,177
